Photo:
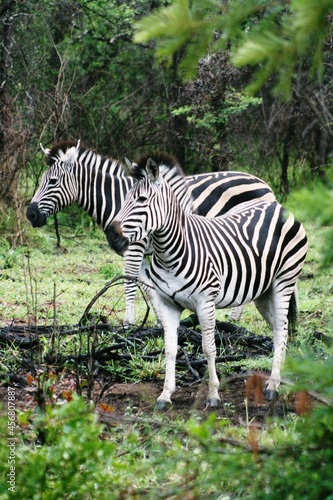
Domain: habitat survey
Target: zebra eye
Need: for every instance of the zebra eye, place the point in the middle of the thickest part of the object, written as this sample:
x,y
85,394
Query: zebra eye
x,y
141,199
53,181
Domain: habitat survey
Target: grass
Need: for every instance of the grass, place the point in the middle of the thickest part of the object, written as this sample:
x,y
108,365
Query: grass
x,y
44,282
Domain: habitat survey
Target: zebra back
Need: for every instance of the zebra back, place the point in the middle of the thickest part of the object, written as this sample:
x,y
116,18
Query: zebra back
x,y
216,193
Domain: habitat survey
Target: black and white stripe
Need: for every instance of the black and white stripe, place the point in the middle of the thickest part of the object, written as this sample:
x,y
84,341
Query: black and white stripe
x,y
99,185
253,252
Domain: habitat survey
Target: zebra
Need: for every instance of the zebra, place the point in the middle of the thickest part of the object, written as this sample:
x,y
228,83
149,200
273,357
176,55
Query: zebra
x,y
99,185
255,251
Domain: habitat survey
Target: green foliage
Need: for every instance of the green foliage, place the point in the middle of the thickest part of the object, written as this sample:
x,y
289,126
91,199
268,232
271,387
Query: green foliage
x,y
8,255
110,75
70,70
146,370
271,36
155,458
282,39
11,359
310,448
83,77
177,25
315,204
234,103
70,463
108,271
310,370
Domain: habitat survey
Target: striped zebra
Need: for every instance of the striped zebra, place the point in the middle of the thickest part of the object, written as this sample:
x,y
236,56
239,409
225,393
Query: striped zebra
x,y
99,185
254,252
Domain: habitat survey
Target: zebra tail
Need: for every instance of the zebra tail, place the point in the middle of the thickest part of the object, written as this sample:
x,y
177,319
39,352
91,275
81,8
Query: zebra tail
x,y
292,315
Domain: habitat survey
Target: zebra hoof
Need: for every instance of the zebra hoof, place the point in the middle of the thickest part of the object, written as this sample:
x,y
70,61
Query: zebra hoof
x,y
162,405
271,395
213,402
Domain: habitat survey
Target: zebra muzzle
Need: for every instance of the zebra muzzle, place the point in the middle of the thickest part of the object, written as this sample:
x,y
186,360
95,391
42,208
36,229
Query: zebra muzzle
x,y
35,216
116,240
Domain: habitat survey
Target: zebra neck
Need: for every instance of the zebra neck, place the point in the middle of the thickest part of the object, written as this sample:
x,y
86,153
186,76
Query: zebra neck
x,y
170,243
102,187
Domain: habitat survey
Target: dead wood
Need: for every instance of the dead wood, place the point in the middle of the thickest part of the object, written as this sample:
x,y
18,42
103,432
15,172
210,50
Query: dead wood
x,y
233,343
108,342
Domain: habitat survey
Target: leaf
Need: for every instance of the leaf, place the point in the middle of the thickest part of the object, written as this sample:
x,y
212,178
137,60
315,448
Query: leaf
x,y
106,408
303,403
254,388
23,419
68,395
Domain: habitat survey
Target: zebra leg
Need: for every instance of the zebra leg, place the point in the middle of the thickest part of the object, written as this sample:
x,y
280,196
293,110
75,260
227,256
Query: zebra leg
x,y
206,316
170,318
149,289
236,313
133,258
273,307
137,266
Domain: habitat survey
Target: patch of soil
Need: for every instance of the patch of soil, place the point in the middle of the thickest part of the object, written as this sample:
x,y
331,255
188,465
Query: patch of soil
x,y
135,399
187,401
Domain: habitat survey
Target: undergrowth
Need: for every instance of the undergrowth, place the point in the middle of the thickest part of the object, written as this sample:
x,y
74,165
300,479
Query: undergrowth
x,y
65,452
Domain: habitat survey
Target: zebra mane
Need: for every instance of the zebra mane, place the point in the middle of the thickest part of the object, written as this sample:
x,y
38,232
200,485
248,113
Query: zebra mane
x,y
116,167
170,171
159,157
53,154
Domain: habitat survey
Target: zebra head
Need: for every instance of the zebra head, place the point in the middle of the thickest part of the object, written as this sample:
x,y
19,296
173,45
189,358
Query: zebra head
x,y
58,187
148,205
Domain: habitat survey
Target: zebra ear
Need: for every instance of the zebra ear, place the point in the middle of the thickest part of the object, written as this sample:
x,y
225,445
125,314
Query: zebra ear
x,y
71,154
134,169
152,169
128,163
131,167
46,151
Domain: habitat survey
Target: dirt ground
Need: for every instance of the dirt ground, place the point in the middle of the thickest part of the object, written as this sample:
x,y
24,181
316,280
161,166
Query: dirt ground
x,y
121,400
189,401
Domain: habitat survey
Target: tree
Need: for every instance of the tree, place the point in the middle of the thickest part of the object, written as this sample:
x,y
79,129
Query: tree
x,y
81,77
12,135
282,52
275,37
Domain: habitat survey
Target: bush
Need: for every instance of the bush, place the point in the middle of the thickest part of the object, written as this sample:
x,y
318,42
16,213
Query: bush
x,y
158,459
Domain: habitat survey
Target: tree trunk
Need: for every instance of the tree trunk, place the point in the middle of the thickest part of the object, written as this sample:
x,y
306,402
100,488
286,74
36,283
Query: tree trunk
x,y
284,187
7,170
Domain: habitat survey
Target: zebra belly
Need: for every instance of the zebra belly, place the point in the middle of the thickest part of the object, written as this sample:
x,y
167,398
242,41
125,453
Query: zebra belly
x,y
230,299
172,290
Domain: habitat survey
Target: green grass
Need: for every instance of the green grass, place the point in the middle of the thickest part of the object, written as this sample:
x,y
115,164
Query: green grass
x,y
44,283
